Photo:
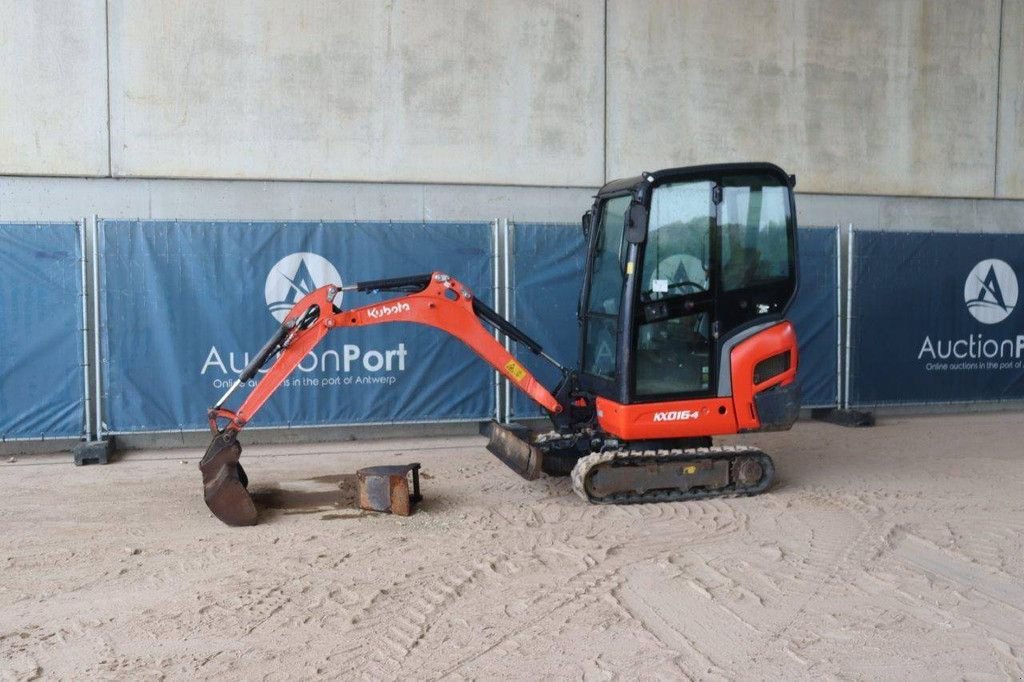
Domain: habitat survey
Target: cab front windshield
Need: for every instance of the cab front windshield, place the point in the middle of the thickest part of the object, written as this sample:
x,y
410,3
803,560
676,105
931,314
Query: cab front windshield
x,y
606,279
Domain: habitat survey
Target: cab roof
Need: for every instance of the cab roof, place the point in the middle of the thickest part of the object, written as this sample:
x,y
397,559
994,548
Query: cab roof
x,y
683,172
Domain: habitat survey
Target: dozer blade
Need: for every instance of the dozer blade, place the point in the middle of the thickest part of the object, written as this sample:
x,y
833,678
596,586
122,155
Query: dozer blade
x,y
510,448
224,481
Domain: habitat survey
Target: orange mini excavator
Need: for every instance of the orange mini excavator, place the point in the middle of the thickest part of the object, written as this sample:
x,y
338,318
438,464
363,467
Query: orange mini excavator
x,y
689,275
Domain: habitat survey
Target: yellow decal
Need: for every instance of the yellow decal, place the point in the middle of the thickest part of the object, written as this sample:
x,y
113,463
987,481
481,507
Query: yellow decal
x,y
629,267
515,370
689,469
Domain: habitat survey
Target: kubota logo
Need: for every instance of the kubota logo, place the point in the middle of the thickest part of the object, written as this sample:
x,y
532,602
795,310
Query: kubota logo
x,y
991,291
385,310
295,276
676,415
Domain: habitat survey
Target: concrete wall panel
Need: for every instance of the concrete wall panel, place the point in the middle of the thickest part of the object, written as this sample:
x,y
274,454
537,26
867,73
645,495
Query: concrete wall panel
x,y
1010,152
443,91
854,96
53,88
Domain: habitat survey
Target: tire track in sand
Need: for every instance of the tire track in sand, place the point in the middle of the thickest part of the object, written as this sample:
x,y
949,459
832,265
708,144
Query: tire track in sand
x,y
532,583
720,603
619,548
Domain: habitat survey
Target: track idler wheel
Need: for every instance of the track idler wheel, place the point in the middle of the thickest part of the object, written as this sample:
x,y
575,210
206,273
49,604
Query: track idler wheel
x,y
224,481
748,472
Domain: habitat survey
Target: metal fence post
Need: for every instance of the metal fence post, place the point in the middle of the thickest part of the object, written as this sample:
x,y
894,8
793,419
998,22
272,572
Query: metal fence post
x,y
96,296
495,299
508,312
849,315
839,316
84,263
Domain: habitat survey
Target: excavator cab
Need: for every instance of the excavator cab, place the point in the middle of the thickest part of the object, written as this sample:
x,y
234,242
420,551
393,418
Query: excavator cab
x,y
684,265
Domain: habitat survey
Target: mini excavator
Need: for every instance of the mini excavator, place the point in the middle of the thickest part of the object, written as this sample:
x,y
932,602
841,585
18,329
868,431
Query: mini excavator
x,y
689,274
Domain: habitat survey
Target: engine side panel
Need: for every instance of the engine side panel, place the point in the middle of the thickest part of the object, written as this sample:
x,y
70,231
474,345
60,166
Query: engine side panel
x,y
744,359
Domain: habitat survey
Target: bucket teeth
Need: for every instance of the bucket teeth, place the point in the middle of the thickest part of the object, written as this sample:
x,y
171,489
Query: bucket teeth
x,y
224,482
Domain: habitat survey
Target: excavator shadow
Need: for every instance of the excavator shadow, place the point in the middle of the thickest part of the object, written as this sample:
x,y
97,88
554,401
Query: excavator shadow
x,y
334,495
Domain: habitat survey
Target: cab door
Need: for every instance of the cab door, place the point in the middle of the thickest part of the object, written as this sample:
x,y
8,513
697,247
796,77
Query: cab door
x,y
719,261
676,312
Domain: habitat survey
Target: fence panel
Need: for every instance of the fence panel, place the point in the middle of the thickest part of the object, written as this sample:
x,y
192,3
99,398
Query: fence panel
x,y
184,304
935,319
547,272
42,375
815,316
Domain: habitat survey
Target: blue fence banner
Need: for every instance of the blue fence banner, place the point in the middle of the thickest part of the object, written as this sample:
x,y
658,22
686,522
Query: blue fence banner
x,y
815,316
935,318
42,382
548,260
185,304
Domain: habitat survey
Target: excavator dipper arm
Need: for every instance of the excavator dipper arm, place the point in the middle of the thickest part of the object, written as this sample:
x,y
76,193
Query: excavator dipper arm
x,y
437,300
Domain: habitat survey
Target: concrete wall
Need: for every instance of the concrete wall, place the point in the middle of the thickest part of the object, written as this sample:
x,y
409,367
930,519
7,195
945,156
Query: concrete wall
x,y
448,91
1010,151
53,95
855,97
859,97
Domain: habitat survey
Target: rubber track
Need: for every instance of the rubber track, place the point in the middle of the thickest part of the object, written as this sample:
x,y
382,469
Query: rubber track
x,y
625,456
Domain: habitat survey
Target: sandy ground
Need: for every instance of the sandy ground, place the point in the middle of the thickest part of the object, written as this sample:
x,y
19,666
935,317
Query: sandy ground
x,y
885,553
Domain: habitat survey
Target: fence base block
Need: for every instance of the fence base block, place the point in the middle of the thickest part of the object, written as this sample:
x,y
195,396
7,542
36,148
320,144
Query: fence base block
x,y
844,417
93,452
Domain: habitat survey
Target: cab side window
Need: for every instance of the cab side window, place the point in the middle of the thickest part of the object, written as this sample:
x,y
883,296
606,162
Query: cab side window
x,y
753,219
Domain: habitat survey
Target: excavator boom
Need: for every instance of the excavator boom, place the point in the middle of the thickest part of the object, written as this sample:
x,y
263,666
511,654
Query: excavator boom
x,y
437,300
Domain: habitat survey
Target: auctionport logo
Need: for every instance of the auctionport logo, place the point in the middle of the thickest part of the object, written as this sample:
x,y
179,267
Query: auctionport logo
x,y
295,276
291,279
991,291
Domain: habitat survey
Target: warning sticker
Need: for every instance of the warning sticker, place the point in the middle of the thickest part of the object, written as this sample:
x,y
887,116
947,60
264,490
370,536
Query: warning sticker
x,y
515,370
